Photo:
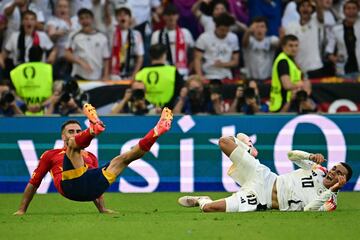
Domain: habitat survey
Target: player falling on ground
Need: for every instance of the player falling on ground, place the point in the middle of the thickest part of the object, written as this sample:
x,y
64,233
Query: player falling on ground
x,y
310,188
75,171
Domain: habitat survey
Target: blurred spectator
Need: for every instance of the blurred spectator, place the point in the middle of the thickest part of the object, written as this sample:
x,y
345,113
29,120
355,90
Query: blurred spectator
x,y
47,7
28,44
219,49
177,40
187,19
193,98
134,101
143,13
8,105
239,9
286,76
79,4
345,38
162,82
302,103
127,46
310,31
248,100
88,50
3,24
67,99
259,49
58,28
217,7
100,10
290,14
271,9
14,11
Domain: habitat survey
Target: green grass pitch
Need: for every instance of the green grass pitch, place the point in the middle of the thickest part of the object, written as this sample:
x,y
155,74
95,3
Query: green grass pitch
x,y
158,216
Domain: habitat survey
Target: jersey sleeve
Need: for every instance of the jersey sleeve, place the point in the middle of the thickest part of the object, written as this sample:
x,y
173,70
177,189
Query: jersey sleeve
x,y
327,201
43,167
301,159
94,160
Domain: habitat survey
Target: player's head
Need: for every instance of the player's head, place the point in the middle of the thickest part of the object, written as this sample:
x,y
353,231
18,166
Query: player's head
x,y
246,139
290,45
223,23
340,169
69,129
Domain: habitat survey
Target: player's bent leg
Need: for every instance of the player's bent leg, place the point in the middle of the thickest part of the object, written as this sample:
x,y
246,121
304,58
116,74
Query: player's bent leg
x,y
227,145
214,206
119,163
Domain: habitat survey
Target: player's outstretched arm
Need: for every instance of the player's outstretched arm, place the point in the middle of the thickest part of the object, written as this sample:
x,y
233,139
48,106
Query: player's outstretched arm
x,y
28,195
304,159
100,205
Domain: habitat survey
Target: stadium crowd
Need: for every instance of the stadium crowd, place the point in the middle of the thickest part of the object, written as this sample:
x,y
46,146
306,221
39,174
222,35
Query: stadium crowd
x,y
177,54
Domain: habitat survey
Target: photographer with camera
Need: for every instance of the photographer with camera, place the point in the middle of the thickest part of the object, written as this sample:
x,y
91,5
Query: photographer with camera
x,y
8,105
248,100
195,99
134,101
302,103
67,99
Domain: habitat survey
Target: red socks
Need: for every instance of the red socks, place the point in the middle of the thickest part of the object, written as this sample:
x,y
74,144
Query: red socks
x,y
146,142
84,138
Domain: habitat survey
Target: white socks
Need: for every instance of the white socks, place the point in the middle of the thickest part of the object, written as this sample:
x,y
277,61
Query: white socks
x,y
204,200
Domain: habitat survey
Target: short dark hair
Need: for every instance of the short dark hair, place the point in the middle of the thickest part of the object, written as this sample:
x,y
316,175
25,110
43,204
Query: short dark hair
x,y
301,2
222,2
171,9
157,51
349,169
30,13
126,10
224,19
260,19
351,2
85,11
288,38
71,121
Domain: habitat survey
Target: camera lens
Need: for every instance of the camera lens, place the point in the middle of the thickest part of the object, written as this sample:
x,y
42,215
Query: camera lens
x,y
65,97
9,97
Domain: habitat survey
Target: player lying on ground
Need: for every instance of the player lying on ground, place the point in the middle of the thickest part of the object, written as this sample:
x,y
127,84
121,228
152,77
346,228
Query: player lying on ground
x,y
310,188
75,171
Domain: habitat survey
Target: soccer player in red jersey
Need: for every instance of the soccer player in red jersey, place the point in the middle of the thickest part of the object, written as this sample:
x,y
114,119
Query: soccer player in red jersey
x,y
75,171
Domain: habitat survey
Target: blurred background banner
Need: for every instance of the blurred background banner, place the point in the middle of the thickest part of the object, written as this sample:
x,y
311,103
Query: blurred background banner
x,y
187,158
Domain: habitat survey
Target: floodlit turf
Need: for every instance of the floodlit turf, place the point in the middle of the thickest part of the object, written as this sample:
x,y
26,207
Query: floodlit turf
x,y
157,216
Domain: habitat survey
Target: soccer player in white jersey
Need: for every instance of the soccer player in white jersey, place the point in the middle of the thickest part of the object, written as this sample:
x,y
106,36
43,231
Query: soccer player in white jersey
x,y
310,188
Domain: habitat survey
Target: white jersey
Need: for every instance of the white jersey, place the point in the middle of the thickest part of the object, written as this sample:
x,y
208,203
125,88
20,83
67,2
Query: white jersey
x,y
213,49
93,48
297,189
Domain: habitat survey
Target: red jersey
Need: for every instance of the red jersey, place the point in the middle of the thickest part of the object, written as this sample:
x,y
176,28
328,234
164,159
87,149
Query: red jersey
x,y
52,160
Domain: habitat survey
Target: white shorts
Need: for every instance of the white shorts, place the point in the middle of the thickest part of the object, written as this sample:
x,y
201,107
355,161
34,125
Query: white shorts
x,y
242,201
253,177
